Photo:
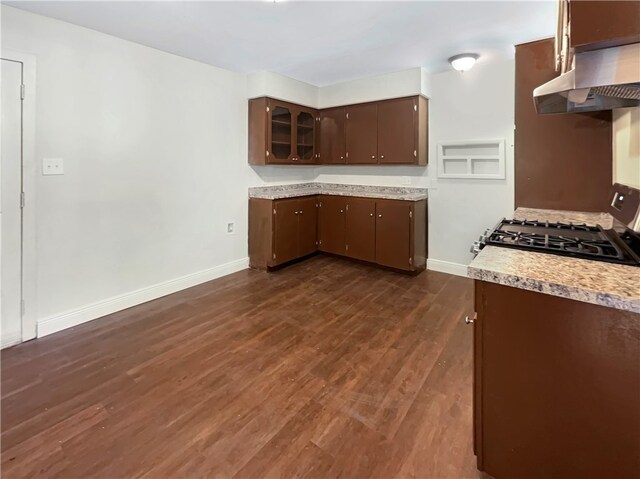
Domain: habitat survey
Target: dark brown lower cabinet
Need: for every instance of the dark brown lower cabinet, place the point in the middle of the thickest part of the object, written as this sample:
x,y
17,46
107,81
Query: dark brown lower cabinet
x,y
556,386
391,233
281,230
331,224
361,229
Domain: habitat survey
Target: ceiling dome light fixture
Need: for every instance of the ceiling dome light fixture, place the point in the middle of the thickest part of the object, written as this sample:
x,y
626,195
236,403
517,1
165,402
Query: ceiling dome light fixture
x,y
464,61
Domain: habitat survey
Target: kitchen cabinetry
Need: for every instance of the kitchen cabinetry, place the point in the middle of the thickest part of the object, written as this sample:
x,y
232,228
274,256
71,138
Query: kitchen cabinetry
x,y
553,375
391,233
394,220
332,224
281,133
332,139
603,23
383,132
361,134
401,139
361,229
281,230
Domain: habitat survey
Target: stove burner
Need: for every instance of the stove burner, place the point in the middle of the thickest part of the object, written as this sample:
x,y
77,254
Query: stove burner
x,y
578,240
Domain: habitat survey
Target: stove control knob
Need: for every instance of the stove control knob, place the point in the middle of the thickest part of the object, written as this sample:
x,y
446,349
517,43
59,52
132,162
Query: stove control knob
x,y
482,239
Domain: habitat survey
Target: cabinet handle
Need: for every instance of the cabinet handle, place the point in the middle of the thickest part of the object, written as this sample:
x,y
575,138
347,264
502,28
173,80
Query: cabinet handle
x,y
379,216
468,320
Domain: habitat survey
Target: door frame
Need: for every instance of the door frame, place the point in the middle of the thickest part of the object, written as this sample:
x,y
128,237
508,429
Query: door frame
x,y
29,173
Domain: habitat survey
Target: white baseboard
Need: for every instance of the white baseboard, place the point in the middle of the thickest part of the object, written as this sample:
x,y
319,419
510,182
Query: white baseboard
x,y
10,340
447,267
58,322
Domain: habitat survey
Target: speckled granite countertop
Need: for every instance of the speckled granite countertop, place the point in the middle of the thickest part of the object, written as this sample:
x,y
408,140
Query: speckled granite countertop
x,y
305,189
612,285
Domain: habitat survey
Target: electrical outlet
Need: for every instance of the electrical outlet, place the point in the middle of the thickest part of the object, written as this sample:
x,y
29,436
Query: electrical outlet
x,y
52,166
231,228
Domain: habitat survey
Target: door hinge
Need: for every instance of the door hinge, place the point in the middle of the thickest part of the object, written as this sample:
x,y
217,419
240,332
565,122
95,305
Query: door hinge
x,y
267,108
274,256
22,200
347,116
347,207
346,248
267,152
22,91
415,153
347,154
415,107
410,214
274,211
410,261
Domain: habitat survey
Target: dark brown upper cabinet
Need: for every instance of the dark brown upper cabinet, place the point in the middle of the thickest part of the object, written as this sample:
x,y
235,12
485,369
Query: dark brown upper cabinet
x,y
361,228
398,131
281,133
603,23
332,148
387,132
362,134
332,224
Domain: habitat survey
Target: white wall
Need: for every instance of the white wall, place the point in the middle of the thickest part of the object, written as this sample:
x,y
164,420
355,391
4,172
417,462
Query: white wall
x,y
626,146
155,157
155,151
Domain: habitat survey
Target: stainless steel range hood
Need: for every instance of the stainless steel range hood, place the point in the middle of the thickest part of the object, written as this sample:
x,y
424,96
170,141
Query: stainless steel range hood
x,y
602,79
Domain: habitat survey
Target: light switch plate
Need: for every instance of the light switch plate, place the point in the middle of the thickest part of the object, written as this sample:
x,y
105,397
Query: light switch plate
x,y
52,166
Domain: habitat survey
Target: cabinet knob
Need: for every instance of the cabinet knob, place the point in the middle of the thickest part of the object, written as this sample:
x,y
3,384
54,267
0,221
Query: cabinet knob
x,y
370,214
381,157
300,212
379,216
341,211
468,320
296,212
342,157
373,157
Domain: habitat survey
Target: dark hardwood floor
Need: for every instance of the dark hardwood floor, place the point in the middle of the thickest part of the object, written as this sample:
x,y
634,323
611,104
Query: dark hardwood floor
x,y
327,368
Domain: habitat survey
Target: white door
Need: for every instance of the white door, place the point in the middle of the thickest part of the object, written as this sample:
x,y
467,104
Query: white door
x,y
10,203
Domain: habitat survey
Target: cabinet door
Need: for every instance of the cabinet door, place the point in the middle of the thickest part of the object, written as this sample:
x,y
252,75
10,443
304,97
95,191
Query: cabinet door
x,y
280,132
286,230
305,124
307,225
332,139
361,228
393,233
331,224
397,131
361,133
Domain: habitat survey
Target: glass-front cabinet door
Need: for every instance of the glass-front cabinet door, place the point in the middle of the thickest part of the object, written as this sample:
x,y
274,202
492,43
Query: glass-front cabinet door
x,y
281,133
305,136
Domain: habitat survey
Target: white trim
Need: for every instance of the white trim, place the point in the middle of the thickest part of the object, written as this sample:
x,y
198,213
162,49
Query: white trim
x,y
11,340
447,267
58,322
29,271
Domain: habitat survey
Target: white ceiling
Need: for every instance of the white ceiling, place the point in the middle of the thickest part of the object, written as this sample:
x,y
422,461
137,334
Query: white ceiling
x,y
317,42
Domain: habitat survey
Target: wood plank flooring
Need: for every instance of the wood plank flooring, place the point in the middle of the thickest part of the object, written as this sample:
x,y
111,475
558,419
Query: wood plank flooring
x,y
327,368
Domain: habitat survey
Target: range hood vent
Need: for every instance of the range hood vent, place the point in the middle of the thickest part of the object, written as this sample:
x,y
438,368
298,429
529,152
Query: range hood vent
x,y
601,80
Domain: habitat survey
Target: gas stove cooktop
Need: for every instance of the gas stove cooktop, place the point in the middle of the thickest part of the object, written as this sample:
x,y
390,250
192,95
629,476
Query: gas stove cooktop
x,y
565,239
